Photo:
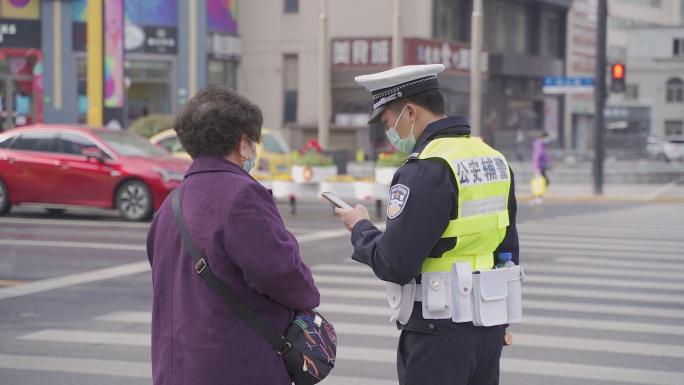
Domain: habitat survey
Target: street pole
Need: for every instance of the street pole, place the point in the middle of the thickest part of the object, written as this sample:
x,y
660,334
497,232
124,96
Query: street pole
x,y
396,35
600,95
323,77
95,60
476,69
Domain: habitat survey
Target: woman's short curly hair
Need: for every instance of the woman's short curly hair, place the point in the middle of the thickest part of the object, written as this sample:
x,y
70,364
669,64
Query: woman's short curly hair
x,y
214,121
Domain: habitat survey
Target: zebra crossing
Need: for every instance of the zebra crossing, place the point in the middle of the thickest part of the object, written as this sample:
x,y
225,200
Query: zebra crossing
x,y
603,298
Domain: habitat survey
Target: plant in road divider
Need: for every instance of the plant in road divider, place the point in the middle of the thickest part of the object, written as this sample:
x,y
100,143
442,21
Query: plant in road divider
x,y
393,159
312,158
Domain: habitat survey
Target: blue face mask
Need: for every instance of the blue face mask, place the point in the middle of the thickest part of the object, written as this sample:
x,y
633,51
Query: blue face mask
x,y
249,162
406,144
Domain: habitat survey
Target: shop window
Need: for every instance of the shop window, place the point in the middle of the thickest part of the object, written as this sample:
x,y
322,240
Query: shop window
x,y
291,6
675,90
678,45
674,127
632,92
290,87
35,141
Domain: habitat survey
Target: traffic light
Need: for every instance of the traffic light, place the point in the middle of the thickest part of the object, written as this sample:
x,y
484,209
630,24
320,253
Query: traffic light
x,y
617,75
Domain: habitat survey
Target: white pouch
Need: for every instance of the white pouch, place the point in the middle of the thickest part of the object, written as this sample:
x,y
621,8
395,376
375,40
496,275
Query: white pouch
x,y
436,295
401,300
461,292
515,276
489,297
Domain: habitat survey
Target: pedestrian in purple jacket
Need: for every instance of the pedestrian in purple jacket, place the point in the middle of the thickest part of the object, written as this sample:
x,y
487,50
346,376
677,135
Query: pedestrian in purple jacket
x,y
196,337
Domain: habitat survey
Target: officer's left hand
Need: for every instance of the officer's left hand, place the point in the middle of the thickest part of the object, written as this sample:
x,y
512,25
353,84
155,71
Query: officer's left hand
x,y
351,217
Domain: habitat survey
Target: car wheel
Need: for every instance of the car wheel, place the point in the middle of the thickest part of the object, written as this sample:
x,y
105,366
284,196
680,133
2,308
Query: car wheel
x,y
134,201
4,199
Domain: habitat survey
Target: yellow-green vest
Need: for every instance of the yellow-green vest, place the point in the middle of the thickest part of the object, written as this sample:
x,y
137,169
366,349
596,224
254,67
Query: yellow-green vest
x,y
483,180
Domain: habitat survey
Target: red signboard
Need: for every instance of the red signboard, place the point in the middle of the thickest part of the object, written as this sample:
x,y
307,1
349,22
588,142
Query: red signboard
x,y
454,55
377,52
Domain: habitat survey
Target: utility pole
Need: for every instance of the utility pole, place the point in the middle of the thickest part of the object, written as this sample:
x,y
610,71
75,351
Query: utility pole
x,y
476,69
95,42
600,95
397,52
323,77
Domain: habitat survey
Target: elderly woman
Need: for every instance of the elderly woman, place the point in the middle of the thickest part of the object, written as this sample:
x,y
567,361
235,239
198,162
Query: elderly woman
x,y
196,338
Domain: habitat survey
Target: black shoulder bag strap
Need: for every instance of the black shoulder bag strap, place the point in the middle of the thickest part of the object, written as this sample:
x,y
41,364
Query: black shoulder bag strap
x,y
277,341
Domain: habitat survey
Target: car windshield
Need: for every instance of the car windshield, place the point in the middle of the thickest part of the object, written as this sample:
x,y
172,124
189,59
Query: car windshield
x,y
274,143
129,144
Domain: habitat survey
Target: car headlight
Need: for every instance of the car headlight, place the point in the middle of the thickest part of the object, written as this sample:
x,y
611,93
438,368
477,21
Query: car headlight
x,y
170,175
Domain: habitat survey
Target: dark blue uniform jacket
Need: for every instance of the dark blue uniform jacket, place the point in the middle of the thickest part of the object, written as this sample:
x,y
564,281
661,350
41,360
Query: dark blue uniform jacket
x,y
397,254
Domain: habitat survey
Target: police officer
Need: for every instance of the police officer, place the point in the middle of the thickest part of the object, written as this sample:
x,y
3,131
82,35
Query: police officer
x,y
451,201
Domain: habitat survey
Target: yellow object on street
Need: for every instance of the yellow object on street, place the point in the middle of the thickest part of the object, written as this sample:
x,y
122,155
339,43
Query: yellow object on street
x,y
538,184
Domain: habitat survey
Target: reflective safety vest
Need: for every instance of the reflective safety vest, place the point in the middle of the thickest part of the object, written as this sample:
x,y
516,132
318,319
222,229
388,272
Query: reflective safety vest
x,y
483,180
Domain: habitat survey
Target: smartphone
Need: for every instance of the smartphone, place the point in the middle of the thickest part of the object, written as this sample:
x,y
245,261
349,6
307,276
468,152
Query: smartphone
x,y
335,200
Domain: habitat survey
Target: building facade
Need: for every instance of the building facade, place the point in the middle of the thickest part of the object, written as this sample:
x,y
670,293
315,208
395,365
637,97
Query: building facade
x,y
655,59
43,66
628,123
524,42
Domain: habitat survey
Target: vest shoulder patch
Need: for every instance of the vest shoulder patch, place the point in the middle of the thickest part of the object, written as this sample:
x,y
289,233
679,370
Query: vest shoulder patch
x,y
398,196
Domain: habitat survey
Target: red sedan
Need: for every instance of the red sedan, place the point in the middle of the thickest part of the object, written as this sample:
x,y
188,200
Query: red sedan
x,y
63,166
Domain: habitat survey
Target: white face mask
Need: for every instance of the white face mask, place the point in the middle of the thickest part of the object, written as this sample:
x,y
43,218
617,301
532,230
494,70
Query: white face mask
x,y
406,144
251,158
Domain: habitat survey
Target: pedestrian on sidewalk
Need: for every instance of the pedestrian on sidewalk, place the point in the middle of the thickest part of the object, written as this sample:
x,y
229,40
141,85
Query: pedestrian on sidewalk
x,y
233,220
434,222
540,165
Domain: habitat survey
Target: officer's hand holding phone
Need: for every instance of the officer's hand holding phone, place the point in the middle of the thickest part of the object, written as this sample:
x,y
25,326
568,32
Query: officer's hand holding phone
x,y
349,216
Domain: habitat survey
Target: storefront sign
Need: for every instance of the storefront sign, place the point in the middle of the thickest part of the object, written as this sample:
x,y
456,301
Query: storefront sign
x,y
369,52
16,33
454,55
224,46
366,52
161,40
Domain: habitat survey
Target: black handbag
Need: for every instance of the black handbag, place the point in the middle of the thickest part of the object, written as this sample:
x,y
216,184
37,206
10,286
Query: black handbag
x,y
309,344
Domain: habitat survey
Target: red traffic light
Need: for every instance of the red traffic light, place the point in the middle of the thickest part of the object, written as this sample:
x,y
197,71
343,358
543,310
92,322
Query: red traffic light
x,y
618,71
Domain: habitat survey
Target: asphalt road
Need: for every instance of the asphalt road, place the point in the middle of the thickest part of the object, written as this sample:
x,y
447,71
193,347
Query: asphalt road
x,y
603,297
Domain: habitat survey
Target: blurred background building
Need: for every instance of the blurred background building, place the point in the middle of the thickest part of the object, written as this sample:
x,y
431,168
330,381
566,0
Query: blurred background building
x,y
524,42
269,50
43,66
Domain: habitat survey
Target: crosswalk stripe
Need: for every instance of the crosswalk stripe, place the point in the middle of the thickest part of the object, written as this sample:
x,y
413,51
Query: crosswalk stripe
x,y
508,365
77,365
527,290
144,317
76,245
538,278
646,266
605,282
608,240
73,279
527,304
616,256
590,247
610,271
88,337
539,341
346,329
591,372
573,323
132,369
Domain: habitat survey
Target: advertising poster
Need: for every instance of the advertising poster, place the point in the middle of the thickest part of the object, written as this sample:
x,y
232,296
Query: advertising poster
x,y
114,54
222,16
20,9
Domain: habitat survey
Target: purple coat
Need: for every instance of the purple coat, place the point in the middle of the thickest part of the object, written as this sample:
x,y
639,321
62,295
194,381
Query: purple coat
x,y
233,220
540,160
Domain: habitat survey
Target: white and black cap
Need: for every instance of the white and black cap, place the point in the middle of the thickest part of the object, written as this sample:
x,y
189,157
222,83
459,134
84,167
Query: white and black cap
x,y
388,86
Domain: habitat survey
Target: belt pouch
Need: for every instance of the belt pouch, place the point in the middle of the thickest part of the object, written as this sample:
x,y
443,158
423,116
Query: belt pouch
x,y
515,277
436,294
461,292
489,297
401,299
